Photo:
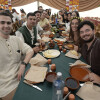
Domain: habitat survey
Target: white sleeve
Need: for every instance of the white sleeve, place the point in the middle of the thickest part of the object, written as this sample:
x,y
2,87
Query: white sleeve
x,y
19,34
39,28
25,48
67,26
38,36
18,17
13,19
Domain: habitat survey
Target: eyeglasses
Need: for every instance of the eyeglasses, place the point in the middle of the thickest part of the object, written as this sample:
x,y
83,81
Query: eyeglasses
x,y
3,22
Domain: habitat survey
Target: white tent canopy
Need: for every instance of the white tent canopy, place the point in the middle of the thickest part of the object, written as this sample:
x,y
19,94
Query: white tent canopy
x,y
33,7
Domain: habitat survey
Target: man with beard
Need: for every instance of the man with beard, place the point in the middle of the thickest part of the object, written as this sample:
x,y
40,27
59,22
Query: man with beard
x,y
11,50
90,49
29,34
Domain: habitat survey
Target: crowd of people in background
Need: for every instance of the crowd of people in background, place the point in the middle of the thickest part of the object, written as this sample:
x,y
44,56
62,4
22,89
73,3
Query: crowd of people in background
x,y
28,29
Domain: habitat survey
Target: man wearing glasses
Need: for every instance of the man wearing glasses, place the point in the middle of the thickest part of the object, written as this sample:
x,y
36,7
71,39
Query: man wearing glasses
x,y
91,49
11,50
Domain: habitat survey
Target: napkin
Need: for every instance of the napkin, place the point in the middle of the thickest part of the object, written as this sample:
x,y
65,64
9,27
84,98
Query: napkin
x,y
89,91
79,62
38,60
36,74
71,55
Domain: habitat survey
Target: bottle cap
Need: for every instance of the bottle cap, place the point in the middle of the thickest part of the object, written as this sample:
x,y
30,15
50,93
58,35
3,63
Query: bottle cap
x,y
59,74
53,67
71,97
65,89
49,61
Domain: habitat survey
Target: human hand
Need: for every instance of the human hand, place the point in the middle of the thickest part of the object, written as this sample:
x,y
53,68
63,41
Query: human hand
x,y
46,27
75,48
21,71
42,43
94,78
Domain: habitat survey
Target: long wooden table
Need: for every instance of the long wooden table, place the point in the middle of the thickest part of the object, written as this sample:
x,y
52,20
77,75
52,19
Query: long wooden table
x,y
26,92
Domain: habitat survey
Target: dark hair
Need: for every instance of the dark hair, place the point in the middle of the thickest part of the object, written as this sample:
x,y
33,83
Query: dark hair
x,y
77,13
14,10
22,11
37,12
69,13
1,9
5,14
44,10
8,11
71,34
60,11
30,14
85,22
65,20
39,7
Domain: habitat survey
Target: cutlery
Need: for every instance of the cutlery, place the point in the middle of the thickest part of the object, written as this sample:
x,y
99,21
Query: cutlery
x,y
50,68
66,96
36,87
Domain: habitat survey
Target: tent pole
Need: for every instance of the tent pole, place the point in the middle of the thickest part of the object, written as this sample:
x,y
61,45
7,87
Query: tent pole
x,y
37,4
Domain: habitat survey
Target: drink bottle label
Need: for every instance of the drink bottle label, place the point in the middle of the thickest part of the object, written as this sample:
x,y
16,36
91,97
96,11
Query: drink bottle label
x,y
58,92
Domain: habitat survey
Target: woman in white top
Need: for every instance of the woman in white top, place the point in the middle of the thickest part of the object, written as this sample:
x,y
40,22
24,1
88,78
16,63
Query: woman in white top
x,y
23,14
16,16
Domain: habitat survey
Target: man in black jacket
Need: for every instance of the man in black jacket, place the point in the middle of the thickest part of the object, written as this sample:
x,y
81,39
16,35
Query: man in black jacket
x,y
90,49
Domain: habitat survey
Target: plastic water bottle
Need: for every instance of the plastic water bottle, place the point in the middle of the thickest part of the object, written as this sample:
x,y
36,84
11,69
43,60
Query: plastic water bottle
x,y
58,86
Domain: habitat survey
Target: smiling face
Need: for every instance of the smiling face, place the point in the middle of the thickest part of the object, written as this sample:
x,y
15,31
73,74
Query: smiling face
x,y
87,33
43,15
5,25
31,21
38,16
74,25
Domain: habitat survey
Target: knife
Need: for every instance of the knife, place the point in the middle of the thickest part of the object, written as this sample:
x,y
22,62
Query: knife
x,y
36,87
66,96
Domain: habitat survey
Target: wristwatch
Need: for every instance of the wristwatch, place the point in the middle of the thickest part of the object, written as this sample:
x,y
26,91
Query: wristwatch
x,y
23,63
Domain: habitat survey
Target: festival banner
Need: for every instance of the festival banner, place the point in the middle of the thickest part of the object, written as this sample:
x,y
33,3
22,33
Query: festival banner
x,y
72,5
5,4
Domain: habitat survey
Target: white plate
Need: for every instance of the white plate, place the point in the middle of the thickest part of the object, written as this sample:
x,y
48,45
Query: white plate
x,y
51,53
60,39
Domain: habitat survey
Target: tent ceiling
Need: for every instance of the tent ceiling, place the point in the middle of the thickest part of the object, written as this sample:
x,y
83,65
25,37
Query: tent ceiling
x,y
58,4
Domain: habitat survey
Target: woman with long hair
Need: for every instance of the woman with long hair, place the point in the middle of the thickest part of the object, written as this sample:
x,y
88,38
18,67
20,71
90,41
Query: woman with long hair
x,y
16,16
75,14
23,14
65,19
74,34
